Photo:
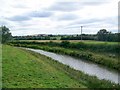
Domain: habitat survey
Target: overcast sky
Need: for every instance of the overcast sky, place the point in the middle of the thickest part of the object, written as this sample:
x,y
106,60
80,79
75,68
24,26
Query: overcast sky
x,y
27,17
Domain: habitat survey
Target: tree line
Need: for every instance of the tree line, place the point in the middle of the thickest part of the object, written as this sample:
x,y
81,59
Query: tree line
x,y
102,35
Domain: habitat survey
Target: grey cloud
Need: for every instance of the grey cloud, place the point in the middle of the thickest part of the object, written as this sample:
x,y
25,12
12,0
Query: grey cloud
x,y
30,15
92,3
95,1
72,6
67,17
109,20
87,21
19,18
40,14
94,23
65,6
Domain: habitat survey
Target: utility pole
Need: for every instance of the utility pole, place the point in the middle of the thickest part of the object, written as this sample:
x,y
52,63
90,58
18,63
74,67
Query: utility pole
x,y
81,32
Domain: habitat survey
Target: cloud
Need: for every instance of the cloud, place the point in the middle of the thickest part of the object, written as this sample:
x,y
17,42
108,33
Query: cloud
x,y
72,6
85,21
108,23
108,20
30,15
93,3
40,14
65,6
19,18
67,17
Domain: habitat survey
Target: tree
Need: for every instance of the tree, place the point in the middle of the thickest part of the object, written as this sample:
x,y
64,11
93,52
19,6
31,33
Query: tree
x,y
5,34
103,35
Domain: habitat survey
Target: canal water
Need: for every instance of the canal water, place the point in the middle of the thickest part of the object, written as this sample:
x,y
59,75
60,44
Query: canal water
x,y
82,65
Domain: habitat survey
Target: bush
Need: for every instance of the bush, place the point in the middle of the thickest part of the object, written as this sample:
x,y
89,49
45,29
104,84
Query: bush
x,y
65,43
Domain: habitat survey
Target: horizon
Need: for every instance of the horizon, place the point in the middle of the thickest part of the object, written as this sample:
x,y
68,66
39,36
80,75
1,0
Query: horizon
x,y
58,34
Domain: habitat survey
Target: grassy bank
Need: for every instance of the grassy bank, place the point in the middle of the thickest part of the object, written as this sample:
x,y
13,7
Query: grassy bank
x,y
92,52
25,69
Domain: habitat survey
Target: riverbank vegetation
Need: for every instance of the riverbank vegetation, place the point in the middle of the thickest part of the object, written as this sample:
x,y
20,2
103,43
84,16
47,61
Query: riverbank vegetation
x,y
106,54
26,69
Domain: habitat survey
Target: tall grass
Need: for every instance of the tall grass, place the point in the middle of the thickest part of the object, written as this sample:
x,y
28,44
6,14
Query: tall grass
x,y
99,47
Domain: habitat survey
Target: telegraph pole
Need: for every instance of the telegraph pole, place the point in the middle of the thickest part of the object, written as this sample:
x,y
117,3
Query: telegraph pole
x,y
81,32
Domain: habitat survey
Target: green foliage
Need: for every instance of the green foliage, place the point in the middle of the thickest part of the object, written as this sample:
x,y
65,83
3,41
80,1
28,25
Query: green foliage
x,y
82,50
104,35
78,37
108,47
65,43
5,34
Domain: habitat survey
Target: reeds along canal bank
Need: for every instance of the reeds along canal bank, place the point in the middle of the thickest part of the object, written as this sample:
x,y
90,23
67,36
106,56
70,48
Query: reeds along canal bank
x,y
105,54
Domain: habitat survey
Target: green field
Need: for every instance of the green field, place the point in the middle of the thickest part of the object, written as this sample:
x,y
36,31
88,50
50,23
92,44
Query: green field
x,y
21,69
